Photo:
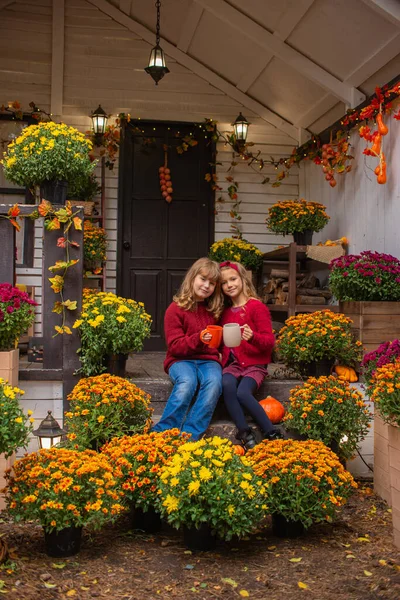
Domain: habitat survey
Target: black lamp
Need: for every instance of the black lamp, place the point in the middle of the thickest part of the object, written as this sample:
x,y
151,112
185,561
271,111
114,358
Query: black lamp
x,y
241,126
99,122
49,432
157,67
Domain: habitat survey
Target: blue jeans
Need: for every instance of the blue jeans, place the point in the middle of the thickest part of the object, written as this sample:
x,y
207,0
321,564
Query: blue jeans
x,y
187,376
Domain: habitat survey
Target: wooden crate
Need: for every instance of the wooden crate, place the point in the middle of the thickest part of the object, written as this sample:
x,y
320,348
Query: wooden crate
x,y
373,322
394,466
381,459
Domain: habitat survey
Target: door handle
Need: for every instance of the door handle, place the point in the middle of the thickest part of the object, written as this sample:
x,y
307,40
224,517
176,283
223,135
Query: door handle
x,y
126,245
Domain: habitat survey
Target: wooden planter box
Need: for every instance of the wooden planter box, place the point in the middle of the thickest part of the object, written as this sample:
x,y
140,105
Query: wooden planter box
x,y
5,463
394,464
373,322
9,366
381,459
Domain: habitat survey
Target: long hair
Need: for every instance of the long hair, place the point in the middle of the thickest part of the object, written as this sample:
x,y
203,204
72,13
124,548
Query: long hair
x,y
245,276
185,296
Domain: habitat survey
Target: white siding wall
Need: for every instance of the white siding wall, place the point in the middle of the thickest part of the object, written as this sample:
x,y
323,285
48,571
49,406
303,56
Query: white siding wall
x,y
360,209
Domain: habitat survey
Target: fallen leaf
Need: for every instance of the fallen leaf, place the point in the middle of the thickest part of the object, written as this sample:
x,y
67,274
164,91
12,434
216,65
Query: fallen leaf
x,y
382,562
229,581
363,539
350,556
367,573
203,585
302,586
244,593
50,585
271,548
295,560
71,593
187,552
188,567
84,588
58,565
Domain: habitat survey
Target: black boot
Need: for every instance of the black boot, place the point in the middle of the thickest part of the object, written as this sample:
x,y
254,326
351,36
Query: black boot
x,y
275,434
247,438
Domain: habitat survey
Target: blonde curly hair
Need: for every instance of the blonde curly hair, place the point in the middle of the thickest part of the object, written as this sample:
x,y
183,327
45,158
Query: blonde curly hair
x,y
185,295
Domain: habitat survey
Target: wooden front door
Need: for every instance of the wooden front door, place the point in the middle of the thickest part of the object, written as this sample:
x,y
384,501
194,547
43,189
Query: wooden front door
x,y
157,241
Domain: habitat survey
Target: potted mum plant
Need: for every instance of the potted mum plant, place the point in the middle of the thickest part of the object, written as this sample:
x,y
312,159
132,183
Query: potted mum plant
x,y
298,217
16,315
305,483
331,411
82,191
137,462
367,286
64,490
110,328
94,247
104,407
311,342
210,490
238,250
50,155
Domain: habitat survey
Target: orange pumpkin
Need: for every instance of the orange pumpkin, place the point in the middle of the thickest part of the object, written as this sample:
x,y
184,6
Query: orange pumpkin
x,y
274,409
238,449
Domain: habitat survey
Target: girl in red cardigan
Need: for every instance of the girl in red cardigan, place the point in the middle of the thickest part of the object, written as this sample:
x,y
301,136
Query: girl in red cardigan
x,y
192,365
245,366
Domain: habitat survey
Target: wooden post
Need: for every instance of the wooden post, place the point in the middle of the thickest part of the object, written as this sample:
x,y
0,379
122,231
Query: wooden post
x,y
292,279
7,254
52,346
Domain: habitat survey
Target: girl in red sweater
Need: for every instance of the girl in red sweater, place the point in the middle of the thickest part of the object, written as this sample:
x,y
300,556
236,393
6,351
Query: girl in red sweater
x,y
245,366
192,365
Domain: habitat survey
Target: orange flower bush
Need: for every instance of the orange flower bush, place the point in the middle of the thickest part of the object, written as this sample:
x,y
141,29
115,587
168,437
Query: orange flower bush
x,y
63,488
137,461
305,480
309,337
384,389
104,407
329,410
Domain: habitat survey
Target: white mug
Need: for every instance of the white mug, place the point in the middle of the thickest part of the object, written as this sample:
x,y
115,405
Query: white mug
x,y
232,335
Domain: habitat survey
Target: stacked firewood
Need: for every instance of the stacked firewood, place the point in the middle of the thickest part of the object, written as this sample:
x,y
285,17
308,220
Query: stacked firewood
x,y
276,290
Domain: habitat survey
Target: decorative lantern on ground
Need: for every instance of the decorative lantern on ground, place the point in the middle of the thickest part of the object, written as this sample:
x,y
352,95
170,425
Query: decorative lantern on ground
x,y
49,432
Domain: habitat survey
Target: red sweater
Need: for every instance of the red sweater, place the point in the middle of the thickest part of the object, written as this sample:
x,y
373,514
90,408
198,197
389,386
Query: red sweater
x,y
259,349
182,333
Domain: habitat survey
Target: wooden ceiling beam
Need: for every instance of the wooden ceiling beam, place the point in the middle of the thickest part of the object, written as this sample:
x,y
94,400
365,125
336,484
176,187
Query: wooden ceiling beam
x,y
5,3
293,15
57,58
125,6
197,68
189,26
222,10
389,9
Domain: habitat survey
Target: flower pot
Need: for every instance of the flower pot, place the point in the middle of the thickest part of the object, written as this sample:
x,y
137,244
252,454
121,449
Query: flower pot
x,y
394,473
55,191
318,368
335,447
65,542
199,540
9,366
116,364
303,238
284,528
149,521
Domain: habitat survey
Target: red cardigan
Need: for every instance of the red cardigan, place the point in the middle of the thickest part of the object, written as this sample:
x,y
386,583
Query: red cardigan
x,y
259,349
182,333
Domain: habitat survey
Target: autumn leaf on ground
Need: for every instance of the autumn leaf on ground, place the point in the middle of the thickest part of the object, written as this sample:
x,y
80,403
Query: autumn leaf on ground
x,y
382,562
363,539
58,565
71,593
302,586
244,593
295,560
367,573
229,581
49,585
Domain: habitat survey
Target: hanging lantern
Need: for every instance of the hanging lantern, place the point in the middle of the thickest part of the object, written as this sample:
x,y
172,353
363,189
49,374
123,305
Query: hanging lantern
x,y
49,432
157,67
99,121
241,126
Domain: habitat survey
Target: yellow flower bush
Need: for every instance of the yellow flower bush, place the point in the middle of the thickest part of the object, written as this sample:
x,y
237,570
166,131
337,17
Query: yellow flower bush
x,y
63,488
238,250
110,324
305,480
310,337
137,461
15,426
206,482
329,410
291,216
94,245
48,151
104,407
384,390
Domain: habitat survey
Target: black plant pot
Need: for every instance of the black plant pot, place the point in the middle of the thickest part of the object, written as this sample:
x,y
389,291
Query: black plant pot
x,y
149,521
335,447
318,368
55,191
116,364
303,238
63,543
199,540
284,528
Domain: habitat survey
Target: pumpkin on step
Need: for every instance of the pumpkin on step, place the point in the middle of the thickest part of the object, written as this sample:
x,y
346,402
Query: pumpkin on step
x,y
346,373
274,409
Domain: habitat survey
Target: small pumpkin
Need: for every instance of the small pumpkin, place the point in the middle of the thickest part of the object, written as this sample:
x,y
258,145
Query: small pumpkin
x,y
274,409
346,374
238,449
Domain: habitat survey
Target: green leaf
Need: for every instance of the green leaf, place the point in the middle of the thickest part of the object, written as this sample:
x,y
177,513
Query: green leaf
x,y
229,581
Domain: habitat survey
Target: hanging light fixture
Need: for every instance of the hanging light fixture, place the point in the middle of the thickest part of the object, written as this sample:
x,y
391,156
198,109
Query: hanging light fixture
x,y
99,123
157,67
240,127
49,432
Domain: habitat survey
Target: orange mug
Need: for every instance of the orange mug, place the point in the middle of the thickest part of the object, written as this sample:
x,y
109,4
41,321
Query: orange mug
x,y
216,332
